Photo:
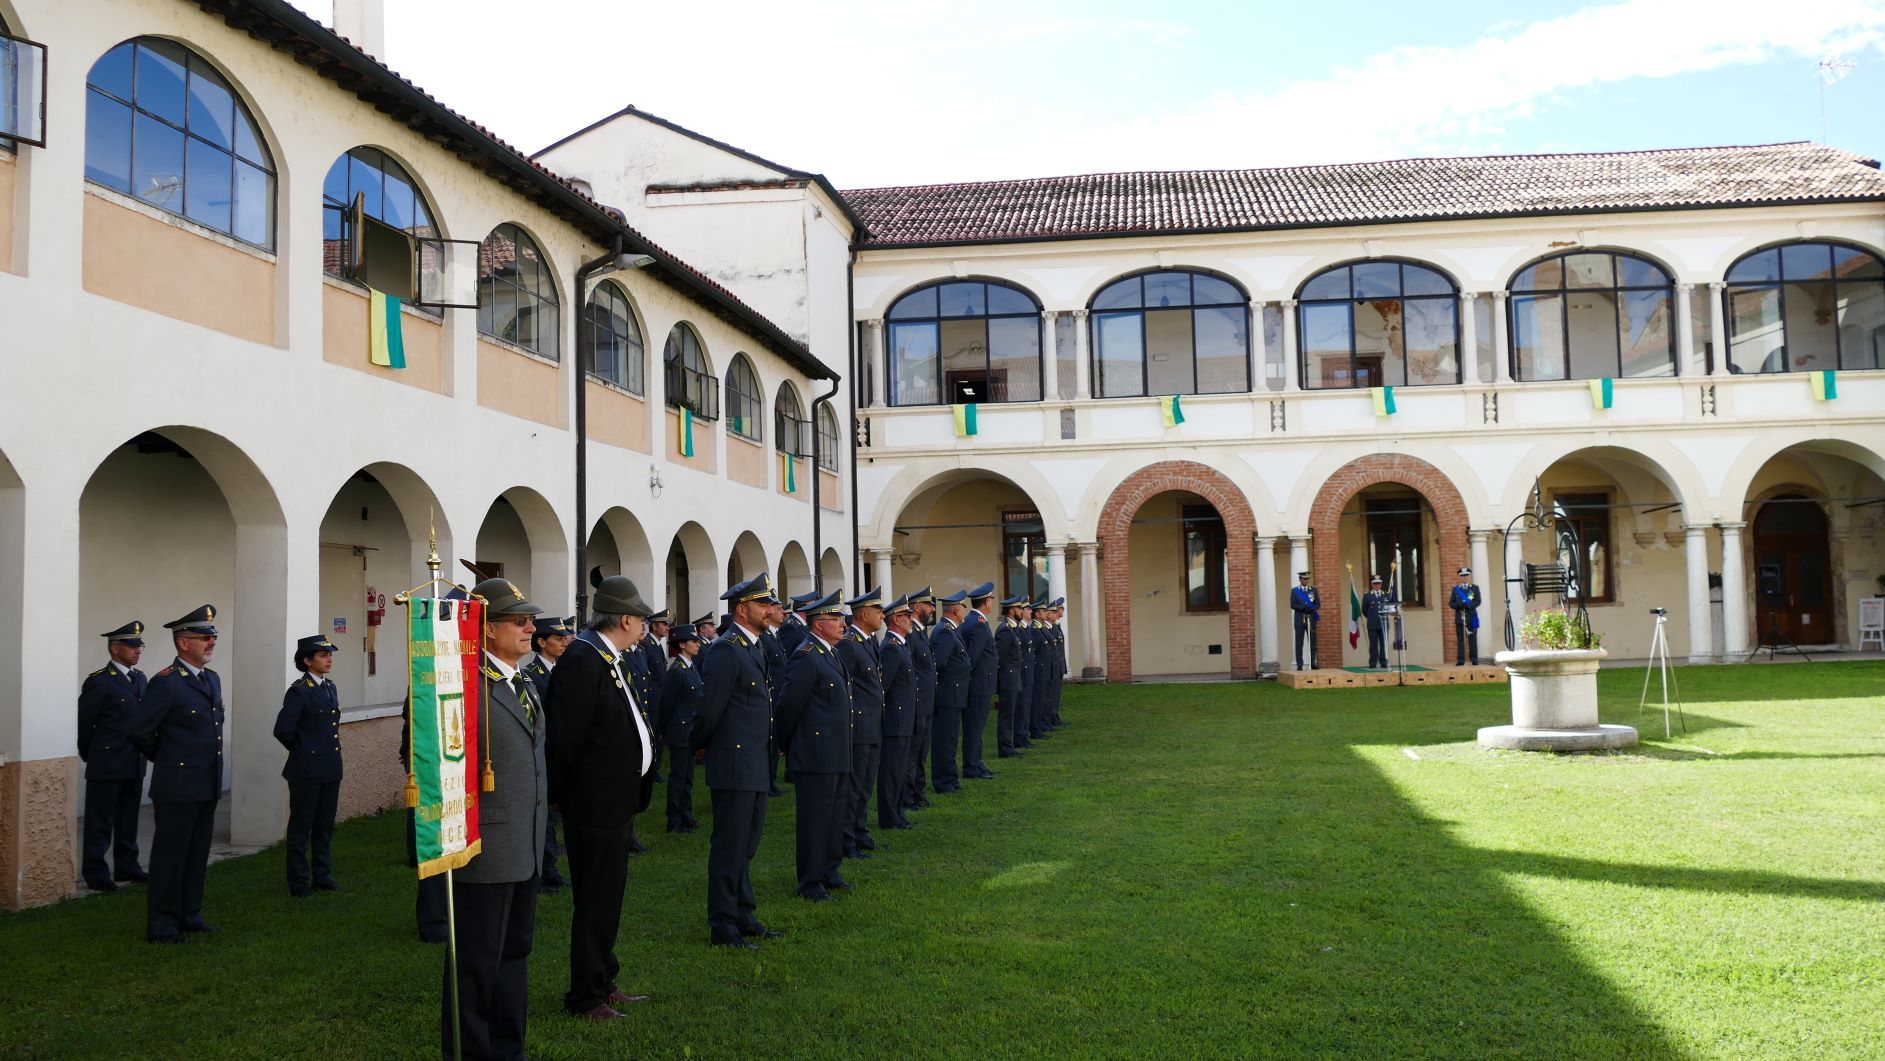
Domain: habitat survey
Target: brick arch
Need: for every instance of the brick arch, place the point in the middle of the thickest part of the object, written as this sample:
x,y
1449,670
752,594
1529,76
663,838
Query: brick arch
x,y
1240,527
1325,524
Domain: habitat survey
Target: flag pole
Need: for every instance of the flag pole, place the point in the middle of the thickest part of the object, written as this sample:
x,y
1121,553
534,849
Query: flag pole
x,y
451,965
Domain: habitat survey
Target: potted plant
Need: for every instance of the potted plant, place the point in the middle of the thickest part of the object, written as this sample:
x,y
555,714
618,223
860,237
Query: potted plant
x,y
1554,688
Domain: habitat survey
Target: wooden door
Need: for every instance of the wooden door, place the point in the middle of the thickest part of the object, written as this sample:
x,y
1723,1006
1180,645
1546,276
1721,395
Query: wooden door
x,y
1793,585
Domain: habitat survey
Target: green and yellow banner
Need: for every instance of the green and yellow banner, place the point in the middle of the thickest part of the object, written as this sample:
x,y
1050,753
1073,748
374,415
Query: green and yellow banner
x,y
791,474
1825,385
1172,410
684,432
1383,400
446,704
386,344
965,419
1603,393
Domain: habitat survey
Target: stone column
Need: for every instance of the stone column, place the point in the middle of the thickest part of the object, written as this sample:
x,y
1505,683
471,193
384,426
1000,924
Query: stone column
x,y
1056,571
1082,363
1292,371
1259,350
1734,593
1050,361
1481,561
1469,339
1701,632
1514,568
879,365
1091,608
1501,342
1266,606
1299,558
880,570
1717,328
1686,365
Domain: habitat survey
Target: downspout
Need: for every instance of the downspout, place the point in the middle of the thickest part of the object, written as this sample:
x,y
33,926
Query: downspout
x,y
850,327
614,257
818,509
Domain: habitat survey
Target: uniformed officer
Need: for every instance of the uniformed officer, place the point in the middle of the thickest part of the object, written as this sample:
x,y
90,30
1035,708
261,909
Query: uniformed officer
x,y
776,665
654,652
309,727
547,644
793,631
1464,600
815,727
708,627
864,667
923,668
978,638
899,682
1011,678
1038,689
114,772
954,670
1306,603
180,729
676,722
1058,680
1374,617
736,729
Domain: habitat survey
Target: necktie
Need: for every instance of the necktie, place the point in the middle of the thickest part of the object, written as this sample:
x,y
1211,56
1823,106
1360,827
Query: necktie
x,y
522,685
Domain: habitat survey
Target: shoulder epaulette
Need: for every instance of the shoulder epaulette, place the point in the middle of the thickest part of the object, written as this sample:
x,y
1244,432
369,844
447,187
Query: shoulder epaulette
x,y
167,672
102,671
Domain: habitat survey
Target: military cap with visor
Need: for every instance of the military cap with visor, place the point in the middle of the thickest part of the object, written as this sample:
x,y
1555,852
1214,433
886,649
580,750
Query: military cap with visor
x,y
758,588
131,633
201,621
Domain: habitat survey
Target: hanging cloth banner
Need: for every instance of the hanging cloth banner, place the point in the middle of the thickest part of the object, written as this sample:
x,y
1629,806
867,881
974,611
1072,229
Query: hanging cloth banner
x,y
1383,400
1173,412
1354,611
965,419
791,473
447,705
1602,393
1825,385
684,432
386,343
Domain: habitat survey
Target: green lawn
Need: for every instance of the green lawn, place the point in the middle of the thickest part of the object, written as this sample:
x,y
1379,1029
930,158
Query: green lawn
x,y
1186,871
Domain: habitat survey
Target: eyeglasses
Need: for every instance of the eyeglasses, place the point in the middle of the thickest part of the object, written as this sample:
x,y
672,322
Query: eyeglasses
x,y
513,620
196,637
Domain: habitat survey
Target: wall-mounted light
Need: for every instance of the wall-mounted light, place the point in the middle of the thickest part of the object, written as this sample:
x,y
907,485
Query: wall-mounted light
x,y
654,480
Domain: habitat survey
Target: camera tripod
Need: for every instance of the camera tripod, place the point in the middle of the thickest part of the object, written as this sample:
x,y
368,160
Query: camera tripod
x,y
1659,660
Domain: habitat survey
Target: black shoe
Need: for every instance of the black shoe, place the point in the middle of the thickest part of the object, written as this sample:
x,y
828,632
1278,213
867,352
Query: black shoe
x,y
736,942
423,938
197,924
327,885
131,876
922,803
840,883
775,791
761,932
1007,755
855,853
867,844
102,885
816,895
636,847
901,825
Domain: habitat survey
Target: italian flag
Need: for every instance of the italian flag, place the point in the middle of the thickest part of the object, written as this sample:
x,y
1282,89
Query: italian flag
x,y
386,344
965,419
446,705
1354,613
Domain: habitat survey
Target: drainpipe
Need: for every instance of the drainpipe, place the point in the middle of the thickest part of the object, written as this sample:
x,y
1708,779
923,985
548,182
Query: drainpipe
x,y
620,260
818,513
850,345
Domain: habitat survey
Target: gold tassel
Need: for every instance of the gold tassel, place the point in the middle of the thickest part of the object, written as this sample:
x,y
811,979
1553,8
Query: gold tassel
x,y
412,790
490,779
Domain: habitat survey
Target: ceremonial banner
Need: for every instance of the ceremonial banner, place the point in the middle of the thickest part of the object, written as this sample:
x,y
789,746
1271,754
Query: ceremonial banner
x,y
1602,393
684,432
1354,612
791,474
1825,385
386,343
965,419
1383,400
447,705
1173,412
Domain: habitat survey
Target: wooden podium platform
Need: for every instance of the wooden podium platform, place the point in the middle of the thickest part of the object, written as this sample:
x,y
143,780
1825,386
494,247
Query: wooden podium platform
x,y
1335,678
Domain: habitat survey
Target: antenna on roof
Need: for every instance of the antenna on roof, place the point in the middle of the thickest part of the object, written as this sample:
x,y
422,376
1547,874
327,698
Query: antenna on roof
x,y
1832,70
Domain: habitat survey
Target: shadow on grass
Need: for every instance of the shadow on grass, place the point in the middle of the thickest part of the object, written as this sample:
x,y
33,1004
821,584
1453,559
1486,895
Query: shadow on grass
x,y
1683,878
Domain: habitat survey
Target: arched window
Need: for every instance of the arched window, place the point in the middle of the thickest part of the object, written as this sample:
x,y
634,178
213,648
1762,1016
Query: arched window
x,y
516,293
965,341
388,194
1378,324
743,399
1591,315
827,439
791,432
1802,307
690,386
1170,332
612,347
162,125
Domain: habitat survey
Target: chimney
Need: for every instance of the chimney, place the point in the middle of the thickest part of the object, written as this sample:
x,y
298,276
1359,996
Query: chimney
x,y
364,23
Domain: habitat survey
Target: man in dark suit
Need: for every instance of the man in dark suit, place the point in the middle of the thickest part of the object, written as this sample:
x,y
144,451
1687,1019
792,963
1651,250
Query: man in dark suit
x,y
864,668
1011,677
1464,600
180,729
776,665
114,773
736,729
815,728
675,723
1374,618
601,760
308,725
899,681
547,645
1305,603
978,640
953,673
923,669
494,895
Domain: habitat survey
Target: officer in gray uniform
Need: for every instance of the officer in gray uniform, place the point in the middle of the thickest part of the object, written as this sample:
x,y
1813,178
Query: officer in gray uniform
x,y
309,727
114,772
815,730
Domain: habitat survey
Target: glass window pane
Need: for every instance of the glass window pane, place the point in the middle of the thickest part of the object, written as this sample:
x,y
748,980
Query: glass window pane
x,y
365,181
1589,270
1008,300
549,322
107,142
964,359
1377,279
1222,340
1380,333
1861,325
1756,268
1014,359
334,186
208,185
1806,261
1635,272
1852,264
1538,336
1118,354
919,304
963,300
1210,291
914,363
112,71
212,109
1168,356
1122,295
1167,289
396,202
160,74
1648,334
1326,342
1064,356
1754,331
157,163
1593,334
1432,341
1420,280
503,310
1531,279
1812,336
248,142
1332,284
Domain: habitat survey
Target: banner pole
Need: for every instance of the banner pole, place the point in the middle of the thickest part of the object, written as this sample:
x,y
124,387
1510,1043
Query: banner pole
x,y
451,966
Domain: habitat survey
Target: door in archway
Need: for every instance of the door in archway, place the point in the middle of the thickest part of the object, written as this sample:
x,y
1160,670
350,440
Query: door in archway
x,y
1793,586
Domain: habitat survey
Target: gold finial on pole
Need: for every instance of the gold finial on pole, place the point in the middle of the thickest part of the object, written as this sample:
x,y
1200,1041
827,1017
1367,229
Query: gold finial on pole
x,y
432,563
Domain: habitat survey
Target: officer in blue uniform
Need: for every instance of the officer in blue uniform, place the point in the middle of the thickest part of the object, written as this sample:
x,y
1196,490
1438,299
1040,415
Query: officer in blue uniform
x,y
708,627
548,641
736,729
815,729
1011,677
1374,617
978,639
776,665
676,722
1038,689
923,669
1057,609
864,667
1306,604
793,632
180,730
308,725
654,653
114,773
1464,600
954,670
899,682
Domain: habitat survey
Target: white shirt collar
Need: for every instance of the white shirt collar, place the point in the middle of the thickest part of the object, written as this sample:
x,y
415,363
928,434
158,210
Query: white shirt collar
x,y
122,669
822,641
750,636
189,670
504,670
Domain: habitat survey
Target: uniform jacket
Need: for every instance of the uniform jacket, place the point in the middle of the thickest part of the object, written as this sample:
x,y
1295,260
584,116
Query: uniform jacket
x,y
108,709
815,712
1306,603
655,661
180,730
1373,603
953,668
595,750
309,727
899,679
679,714
792,634
735,714
775,653
1465,599
1043,673
513,816
979,642
865,671
1010,657
641,683
539,674
923,668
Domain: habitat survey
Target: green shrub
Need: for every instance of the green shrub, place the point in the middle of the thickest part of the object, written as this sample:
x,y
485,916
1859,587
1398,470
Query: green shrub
x,y
1555,628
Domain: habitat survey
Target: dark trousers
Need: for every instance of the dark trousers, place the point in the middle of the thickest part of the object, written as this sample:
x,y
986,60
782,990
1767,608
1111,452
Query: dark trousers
x,y
311,806
111,822
1305,628
739,819
1007,720
772,763
917,771
1037,708
1465,640
429,906
820,828
497,924
1023,720
551,850
866,761
974,721
598,874
1377,647
681,788
179,861
892,781
944,735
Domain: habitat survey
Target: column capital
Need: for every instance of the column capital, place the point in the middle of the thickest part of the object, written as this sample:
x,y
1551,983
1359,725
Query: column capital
x,y
1684,287
1049,314
1080,314
1696,530
1478,534
876,323
1468,296
1268,541
1732,526
1287,303
1087,548
1716,285
1298,539
879,554
1497,296
1056,548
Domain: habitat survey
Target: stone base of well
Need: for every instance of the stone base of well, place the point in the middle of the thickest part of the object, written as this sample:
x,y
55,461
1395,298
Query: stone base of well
x,y
1601,737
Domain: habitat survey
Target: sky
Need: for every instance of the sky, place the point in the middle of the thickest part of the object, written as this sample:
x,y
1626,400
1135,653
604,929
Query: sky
x,y
882,92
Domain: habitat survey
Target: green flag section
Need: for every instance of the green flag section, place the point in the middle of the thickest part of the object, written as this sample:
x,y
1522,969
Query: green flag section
x,y
684,432
1173,411
1383,400
1602,392
446,704
791,473
1354,612
965,419
1825,385
386,344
